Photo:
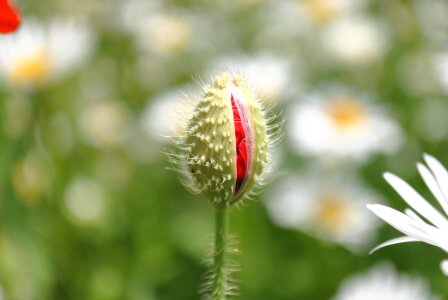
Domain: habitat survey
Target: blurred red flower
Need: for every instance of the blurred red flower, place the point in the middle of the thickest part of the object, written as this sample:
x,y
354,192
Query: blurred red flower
x,y
9,17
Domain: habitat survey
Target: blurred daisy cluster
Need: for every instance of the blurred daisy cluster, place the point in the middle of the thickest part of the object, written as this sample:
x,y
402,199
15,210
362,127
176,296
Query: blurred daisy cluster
x,y
90,91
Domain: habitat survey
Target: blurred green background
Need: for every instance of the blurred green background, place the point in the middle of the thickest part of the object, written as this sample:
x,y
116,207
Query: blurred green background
x,y
88,209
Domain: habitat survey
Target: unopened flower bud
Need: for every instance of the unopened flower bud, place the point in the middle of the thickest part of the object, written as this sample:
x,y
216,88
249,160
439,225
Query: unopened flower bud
x,y
225,148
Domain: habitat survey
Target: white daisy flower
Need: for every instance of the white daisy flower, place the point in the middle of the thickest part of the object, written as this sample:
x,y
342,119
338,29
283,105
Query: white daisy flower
x,y
355,40
342,126
293,20
329,209
433,227
157,30
383,282
40,53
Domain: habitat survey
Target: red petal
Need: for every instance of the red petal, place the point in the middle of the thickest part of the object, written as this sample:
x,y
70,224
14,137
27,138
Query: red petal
x,y
241,147
9,17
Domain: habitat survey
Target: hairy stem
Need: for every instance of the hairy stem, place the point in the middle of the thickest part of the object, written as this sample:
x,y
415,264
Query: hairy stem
x,y
220,284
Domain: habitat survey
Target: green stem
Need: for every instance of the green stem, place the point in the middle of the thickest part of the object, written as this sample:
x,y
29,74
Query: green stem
x,y
219,285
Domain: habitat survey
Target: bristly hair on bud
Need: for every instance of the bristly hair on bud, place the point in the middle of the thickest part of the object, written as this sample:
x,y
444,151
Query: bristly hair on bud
x,y
225,150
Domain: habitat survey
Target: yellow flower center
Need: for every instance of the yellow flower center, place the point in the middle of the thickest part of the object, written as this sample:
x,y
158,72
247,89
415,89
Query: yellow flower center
x,y
346,113
321,11
333,213
30,69
171,34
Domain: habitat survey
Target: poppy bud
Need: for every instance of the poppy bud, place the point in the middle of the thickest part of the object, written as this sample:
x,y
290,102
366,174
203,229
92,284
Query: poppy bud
x,y
224,152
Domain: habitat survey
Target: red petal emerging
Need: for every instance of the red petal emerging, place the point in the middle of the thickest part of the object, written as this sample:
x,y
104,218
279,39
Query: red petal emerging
x,y
241,147
9,17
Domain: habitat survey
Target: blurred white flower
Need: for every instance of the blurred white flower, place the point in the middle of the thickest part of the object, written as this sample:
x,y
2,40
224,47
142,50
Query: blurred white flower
x,y
165,115
39,53
433,19
168,33
441,66
154,29
85,201
269,73
409,72
295,19
282,20
324,11
161,117
415,228
330,209
129,12
383,282
105,124
355,40
342,126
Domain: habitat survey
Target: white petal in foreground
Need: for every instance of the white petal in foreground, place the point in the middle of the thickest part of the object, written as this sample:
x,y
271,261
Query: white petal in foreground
x,y
416,201
434,230
400,240
433,185
440,173
399,221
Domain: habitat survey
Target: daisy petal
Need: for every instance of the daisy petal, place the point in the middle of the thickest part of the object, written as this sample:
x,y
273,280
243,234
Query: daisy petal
x,y
423,222
440,174
434,234
399,221
416,201
433,186
420,221
403,239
